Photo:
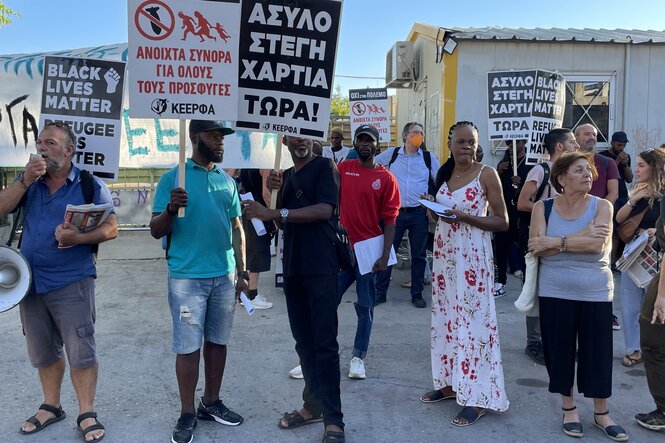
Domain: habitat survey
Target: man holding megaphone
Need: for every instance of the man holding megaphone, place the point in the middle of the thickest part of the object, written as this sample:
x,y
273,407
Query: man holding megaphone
x,y
59,309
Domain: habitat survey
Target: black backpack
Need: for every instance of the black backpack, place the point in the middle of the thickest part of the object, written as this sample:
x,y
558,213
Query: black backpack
x,y
546,181
88,192
427,156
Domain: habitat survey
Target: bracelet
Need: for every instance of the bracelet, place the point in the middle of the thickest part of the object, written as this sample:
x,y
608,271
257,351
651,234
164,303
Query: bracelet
x,y
630,204
564,243
168,209
26,187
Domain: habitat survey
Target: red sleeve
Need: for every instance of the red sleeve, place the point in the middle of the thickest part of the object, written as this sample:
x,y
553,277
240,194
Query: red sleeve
x,y
391,201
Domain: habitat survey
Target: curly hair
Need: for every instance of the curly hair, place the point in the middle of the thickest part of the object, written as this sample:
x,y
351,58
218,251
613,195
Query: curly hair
x,y
656,183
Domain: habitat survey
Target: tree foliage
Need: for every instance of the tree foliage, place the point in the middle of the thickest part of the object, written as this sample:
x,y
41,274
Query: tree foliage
x,y
339,104
6,14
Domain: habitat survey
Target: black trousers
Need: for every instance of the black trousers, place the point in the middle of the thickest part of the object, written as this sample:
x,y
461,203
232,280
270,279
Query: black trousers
x,y
652,341
567,326
311,302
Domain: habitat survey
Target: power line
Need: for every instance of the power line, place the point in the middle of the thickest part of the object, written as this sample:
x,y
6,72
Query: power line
x,y
360,77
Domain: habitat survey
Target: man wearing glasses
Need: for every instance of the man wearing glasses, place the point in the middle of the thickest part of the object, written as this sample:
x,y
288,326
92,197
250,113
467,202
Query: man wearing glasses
x,y
59,310
205,252
415,176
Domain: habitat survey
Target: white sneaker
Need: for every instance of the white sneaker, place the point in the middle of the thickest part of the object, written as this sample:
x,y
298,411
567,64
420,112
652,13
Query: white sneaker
x,y
261,303
296,372
357,369
499,290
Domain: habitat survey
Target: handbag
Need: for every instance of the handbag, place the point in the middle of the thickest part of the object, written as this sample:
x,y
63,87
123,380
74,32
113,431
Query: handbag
x,y
527,302
337,234
628,228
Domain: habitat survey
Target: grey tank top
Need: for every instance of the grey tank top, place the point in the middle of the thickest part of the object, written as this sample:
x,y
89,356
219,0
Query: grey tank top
x,y
571,275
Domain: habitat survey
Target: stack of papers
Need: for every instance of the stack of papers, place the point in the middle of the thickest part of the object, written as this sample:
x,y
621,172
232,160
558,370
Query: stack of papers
x,y
437,208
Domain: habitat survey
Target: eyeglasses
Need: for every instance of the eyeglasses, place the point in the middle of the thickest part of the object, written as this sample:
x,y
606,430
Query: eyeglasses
x,y
66,127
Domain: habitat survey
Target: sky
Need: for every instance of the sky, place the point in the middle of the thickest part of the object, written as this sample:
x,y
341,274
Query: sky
x,y
368,29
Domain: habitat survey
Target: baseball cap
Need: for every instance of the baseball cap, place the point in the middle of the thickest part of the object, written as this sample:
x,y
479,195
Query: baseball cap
x,y
196,126
369,130
620,137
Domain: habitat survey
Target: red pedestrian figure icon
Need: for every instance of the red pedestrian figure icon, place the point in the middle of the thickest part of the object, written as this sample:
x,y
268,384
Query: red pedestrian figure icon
x,y
204,27
222,32
187,24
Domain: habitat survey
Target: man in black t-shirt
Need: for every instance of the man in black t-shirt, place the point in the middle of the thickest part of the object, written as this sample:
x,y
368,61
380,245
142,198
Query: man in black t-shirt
x,y
309,193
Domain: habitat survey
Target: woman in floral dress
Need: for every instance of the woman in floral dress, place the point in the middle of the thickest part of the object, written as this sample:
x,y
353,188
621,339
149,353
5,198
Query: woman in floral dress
x,y
466,356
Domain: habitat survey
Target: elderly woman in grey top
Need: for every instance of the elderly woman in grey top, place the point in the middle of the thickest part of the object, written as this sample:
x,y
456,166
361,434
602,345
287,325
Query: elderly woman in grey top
x,y
571,234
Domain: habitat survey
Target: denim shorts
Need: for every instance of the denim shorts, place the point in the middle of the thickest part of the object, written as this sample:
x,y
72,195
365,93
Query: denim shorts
x,y
64,316
201,309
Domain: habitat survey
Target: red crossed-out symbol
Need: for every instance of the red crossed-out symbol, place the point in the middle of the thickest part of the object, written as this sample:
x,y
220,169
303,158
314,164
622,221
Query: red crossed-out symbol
x,y
157,19
358,108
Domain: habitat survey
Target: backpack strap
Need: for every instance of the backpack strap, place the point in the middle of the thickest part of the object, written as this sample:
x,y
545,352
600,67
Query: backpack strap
x,y
393,158
545,182
88,191
549,204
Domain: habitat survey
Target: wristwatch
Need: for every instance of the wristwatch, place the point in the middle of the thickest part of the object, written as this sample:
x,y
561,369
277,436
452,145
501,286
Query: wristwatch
x,y
169,211
284,213
244,275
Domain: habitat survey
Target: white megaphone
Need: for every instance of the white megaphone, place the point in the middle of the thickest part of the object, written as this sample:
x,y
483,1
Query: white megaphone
x,y
15,278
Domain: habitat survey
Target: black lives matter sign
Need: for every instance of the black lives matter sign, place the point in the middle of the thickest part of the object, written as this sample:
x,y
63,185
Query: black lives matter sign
x,y
287,61
87,95
525,105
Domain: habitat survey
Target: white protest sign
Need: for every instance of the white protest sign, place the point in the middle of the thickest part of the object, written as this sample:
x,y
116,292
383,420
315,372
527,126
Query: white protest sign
x,y
183,55
525,105
370,107
87,95
144,143
287,62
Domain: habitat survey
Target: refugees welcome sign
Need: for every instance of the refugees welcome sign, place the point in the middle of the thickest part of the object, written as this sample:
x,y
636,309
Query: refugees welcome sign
x,y
287,61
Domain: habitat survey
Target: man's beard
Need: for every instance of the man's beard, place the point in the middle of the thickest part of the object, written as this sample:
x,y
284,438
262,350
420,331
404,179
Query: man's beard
x,y
362,156
206,151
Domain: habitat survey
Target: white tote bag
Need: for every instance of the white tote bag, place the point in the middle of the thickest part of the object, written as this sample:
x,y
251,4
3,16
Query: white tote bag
x,y
527,302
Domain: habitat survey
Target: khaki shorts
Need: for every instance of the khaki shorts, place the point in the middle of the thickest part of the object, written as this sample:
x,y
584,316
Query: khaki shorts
x,y
64,316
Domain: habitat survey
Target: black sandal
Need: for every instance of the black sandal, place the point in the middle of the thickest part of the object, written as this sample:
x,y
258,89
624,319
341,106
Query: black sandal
x,y
615,432
59,416
333,437
573,428
96,426
436,396
294,420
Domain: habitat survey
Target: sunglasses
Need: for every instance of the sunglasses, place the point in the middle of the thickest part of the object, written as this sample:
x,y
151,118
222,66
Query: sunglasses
x,y
64,126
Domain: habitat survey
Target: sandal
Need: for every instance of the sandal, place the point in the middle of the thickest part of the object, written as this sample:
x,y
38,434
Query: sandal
x,y
629,361
436,396
615,432
573,428
654,420
333,437
96,426
469,414
295,420
59,415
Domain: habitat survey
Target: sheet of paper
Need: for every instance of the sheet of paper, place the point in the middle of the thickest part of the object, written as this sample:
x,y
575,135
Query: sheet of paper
x,y
438,208
259,227
247,303
369,251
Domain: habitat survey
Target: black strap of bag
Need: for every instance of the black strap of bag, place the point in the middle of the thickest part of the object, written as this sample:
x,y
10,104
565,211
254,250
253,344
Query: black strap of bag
x,y
427,157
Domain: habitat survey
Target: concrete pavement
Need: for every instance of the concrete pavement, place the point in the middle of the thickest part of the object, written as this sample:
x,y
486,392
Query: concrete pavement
x,y
137,398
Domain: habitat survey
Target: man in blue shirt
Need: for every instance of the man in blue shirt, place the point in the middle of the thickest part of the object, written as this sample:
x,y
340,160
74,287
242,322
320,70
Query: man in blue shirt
x,y
413,177
60,307
205,252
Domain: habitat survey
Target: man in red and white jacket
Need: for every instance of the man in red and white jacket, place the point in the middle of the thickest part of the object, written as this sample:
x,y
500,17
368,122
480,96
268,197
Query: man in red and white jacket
x,y
369,205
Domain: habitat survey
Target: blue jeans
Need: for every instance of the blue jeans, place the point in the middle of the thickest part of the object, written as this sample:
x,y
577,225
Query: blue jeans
x,y
364,305
632,297
416,222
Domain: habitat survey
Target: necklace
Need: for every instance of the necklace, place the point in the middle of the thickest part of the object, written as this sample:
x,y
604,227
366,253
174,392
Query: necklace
x,y
465,172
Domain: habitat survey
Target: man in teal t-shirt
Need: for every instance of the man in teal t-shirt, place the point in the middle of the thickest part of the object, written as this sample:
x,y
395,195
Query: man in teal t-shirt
x,y
205,252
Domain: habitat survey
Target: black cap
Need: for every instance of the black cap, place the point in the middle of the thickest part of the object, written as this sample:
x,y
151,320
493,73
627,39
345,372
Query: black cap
x,y
369,130
196,126
620,137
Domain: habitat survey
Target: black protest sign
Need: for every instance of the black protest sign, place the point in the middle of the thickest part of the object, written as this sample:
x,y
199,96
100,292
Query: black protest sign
x,y
510,103
287,60
550,95
87,95
82,87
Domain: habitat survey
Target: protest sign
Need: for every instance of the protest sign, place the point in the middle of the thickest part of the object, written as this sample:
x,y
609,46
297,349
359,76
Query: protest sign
x,y
183,55
287,62
525,105
87,95
370,107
